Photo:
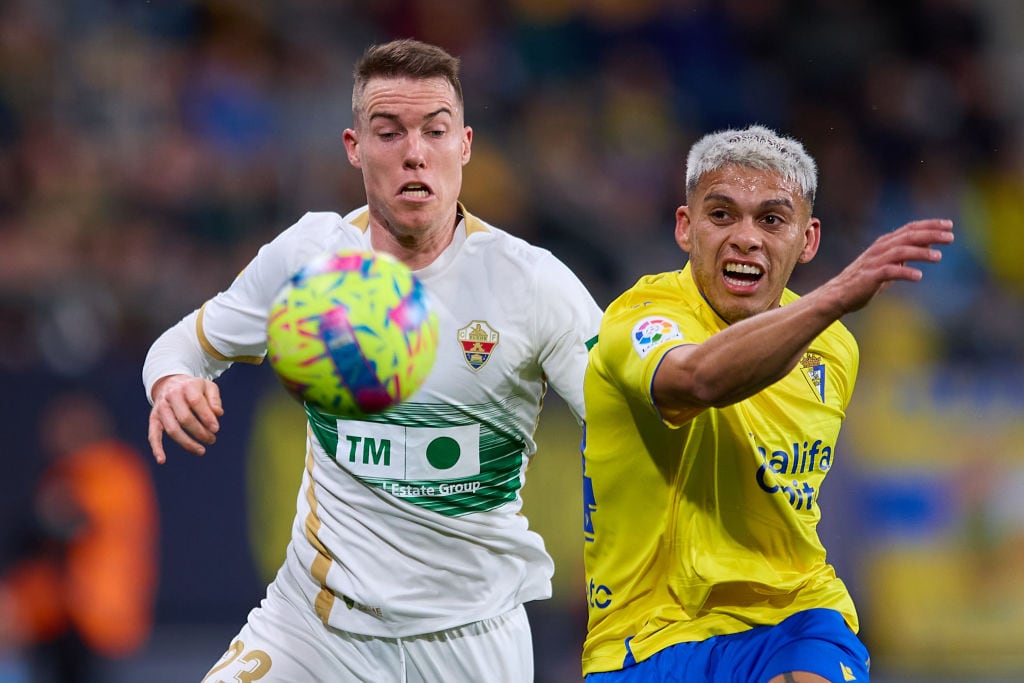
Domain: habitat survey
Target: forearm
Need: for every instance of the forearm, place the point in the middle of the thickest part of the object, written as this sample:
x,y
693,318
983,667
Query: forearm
x,y
746,357
178,352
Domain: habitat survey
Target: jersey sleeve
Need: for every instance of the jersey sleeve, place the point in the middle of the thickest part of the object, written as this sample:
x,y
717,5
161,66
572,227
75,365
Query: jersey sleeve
x,y
567,323
849,355
231,327
178,352
232,324
635,337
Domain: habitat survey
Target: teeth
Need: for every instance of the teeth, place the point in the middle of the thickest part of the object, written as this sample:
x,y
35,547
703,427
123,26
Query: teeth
x,y
742,269
415,191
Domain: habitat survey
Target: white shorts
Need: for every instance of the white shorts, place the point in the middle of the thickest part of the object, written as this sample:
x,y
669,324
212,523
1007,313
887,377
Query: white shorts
x,y
285,643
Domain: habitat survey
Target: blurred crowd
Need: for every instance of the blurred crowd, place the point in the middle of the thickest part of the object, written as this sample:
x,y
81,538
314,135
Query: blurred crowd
x,y
147,148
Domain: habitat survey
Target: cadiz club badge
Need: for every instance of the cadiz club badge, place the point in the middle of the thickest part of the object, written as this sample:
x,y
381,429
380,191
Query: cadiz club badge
x,y
813,368
478,341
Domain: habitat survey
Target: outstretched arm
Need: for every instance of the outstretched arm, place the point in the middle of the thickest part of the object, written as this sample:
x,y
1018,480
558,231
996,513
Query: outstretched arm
x,y
752,354
178,376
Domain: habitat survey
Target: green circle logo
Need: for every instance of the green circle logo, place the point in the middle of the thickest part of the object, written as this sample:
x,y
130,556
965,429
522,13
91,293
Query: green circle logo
x,y
443,452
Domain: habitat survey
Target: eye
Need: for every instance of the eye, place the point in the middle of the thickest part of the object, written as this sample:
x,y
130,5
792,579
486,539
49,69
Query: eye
x,y
718,215
438,133
774,221
387,137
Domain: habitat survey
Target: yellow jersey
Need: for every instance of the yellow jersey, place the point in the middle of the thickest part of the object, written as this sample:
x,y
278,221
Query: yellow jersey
x,y
707,528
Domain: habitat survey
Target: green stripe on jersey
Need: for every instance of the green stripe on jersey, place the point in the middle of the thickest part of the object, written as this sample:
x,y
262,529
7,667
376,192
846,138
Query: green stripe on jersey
x,y
453,460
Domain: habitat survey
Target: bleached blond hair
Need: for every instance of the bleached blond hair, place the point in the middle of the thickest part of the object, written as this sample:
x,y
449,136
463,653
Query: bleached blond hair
x,y
754,147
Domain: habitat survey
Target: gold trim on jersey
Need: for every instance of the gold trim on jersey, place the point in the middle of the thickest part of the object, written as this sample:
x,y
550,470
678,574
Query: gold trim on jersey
x,y
322,562
211,351
473,224
324,602
362,221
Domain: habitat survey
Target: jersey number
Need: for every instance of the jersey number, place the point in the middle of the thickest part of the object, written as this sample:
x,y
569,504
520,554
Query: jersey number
x,y
256,662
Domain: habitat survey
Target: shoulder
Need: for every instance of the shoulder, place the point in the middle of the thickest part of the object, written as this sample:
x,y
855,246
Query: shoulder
x,y
502,249
316,228
650,290
532,276
836,338
497,242
840,341
312,234
323,225
654,307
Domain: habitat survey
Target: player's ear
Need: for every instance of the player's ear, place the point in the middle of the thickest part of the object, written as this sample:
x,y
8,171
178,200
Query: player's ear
x,y
467,144
683,228
812,240
351,141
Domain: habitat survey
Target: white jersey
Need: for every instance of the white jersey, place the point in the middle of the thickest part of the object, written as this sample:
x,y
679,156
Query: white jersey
x,y
408,521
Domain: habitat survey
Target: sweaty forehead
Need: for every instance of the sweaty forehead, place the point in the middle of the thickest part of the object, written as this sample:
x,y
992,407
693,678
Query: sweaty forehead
x,y
736,181
408,97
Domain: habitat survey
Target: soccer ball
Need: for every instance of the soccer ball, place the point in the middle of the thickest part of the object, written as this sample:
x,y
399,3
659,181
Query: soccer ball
x,y
352,333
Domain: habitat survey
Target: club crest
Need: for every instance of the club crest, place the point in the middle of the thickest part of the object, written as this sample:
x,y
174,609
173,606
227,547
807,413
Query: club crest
x,y
478,340
812,367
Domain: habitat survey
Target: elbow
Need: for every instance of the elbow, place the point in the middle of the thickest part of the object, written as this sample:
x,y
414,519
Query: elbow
x,y
708,389
706,394
705,391
696,396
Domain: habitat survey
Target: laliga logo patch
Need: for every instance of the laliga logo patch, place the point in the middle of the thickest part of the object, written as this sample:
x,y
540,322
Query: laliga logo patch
x,y
651,332
478,340
813,369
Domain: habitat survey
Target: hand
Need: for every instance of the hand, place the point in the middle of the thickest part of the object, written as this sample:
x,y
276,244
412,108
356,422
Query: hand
x,y
186,408
885,261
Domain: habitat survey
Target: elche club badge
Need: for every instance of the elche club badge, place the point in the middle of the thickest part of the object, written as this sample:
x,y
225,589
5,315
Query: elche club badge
x,y
478,340
812,367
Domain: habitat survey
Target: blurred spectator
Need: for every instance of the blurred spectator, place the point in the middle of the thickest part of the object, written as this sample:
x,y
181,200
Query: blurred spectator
x,y
139,140
82,594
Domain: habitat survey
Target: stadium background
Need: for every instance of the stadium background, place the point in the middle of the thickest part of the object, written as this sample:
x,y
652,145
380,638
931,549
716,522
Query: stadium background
x,y
148,148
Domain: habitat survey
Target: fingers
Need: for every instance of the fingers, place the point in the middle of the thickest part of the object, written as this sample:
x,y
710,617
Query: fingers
x,y
903,255
942,224
914,242
212,393
196,406
186,410
890,258
928,232
156,438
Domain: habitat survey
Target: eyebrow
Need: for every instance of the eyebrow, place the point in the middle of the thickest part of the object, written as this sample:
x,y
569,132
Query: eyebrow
x,y
427,117
768,203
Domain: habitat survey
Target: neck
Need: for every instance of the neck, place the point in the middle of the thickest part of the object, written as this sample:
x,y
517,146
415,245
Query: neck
x,y
416,249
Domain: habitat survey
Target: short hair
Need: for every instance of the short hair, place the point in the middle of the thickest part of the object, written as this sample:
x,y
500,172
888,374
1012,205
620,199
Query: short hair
x,y
405,58
754,147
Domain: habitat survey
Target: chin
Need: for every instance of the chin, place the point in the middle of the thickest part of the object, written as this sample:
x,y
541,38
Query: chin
x,y
734,314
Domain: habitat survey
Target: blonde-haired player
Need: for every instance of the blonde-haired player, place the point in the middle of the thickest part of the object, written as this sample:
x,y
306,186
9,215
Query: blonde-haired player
x,y
714,399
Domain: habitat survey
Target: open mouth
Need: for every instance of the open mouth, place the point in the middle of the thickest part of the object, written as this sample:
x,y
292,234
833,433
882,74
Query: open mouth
x,y
415,191
742,274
